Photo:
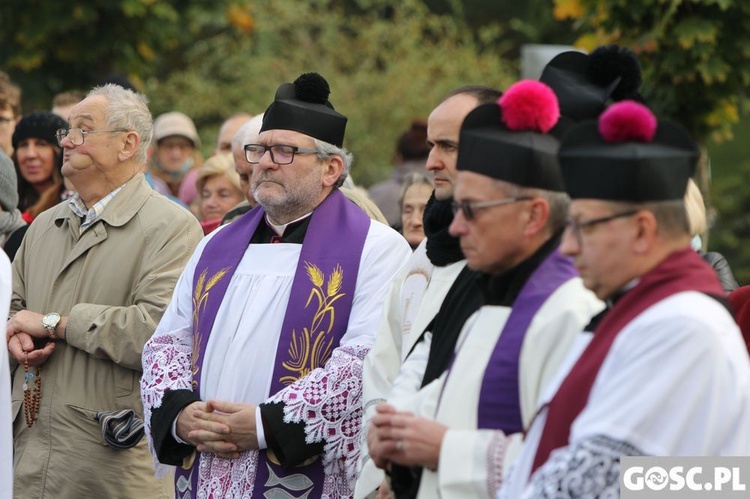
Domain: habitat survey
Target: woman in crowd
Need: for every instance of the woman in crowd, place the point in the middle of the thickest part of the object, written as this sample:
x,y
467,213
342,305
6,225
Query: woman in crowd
x,y
219,190
38,159
415,193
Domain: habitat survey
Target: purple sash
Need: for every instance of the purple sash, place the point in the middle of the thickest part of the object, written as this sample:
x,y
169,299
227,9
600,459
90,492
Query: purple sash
x,y
317,314
499,398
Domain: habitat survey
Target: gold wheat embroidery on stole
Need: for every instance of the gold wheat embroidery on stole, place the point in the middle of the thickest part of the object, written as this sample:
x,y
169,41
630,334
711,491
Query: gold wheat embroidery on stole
x,y
312,348
200,299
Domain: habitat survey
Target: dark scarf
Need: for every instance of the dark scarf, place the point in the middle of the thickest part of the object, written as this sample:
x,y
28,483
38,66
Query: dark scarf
x,y
442,248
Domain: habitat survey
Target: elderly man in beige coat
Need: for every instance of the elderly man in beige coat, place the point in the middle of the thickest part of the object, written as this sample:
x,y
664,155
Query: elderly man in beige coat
x,y
90,283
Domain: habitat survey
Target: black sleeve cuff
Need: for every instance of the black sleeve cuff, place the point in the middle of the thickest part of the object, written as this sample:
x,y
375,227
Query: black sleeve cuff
x,y
168,450
287,440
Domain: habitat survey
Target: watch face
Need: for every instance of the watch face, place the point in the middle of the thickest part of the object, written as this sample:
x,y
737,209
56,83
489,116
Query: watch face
x,y
51,320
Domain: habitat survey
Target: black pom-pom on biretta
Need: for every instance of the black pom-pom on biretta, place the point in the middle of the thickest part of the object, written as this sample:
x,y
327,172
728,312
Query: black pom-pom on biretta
x,y
311,87
609,62
303,107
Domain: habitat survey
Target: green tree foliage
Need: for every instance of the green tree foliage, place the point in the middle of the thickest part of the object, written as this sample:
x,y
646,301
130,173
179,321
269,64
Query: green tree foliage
x,y
695,54
388,62
49,46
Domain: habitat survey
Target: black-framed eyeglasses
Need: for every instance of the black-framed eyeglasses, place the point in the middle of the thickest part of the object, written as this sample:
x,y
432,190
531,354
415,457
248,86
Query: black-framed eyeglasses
x,y
281,154
76,135
469,209
580,228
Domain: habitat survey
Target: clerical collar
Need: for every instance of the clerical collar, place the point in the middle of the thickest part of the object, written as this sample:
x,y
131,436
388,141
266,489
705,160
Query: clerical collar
x,y
279,229
619,294
503,289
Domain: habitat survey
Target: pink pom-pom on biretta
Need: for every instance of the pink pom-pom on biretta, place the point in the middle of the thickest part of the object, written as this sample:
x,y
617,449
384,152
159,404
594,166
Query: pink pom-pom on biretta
x,y
529,105
627,121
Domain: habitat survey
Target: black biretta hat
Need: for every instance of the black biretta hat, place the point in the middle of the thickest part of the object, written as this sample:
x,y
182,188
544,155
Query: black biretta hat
x,y
585,84
627,156
514,139
303,107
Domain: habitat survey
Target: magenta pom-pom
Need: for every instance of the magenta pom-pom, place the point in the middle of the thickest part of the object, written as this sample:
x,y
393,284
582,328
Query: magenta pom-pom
x,y
627,121
529,105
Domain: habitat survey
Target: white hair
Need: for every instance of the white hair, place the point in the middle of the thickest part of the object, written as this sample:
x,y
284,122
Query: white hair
x,y
128,110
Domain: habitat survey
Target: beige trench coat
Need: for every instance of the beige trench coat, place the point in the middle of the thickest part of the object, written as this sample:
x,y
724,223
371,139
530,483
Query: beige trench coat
x,y
114,282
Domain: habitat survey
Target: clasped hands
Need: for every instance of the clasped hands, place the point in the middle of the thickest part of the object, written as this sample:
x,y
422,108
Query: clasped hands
x,y
403,438
217,426
22,329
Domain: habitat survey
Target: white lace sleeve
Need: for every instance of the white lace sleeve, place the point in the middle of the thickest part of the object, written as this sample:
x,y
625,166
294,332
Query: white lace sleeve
x,y
166,361
329,402
589,468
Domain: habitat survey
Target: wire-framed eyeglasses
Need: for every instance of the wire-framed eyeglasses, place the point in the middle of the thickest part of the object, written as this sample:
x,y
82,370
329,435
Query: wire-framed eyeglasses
x,y
76,135
281,154
469,209
578,229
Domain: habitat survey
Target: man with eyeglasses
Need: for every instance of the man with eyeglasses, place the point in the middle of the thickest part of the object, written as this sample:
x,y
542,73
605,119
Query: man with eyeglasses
x,y
431,297
509,215
252,383
665,372
91,281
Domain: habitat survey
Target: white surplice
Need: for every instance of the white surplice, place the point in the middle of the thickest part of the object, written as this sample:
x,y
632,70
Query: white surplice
x,y
415,297
676,382
241,352
472,460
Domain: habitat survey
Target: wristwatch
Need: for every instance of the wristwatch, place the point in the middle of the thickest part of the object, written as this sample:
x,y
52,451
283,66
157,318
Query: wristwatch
x,y
49,322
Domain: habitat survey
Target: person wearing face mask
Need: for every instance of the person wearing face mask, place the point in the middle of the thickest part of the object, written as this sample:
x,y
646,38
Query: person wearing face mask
x,y
176,152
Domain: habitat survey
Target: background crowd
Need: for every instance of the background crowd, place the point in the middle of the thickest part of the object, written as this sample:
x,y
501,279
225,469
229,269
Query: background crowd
x,y
464,303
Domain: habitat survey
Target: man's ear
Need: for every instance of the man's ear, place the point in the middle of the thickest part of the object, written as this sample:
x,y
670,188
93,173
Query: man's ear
x,y
538,214
646,231
333,168
129,146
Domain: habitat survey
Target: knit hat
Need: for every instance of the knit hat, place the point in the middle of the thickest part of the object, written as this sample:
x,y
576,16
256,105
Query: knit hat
x,y
38,125
586,84
303,107
514,140
175,123
8,183
627,155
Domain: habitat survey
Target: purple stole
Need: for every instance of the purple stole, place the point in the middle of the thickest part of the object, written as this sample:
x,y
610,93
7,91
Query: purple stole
x,y
317,314
683,270
499,399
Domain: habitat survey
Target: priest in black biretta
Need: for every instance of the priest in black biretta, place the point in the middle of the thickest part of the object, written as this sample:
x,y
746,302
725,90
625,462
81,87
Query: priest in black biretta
x,y
303,106
627,155
510,210
585,84
527,158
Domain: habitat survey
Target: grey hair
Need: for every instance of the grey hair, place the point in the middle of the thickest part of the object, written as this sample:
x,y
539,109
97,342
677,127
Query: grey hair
x,y
326,150
128,110
247,133
414,178
558,202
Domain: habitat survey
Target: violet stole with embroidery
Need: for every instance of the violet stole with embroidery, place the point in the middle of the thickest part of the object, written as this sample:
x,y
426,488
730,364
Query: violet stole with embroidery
x,y
682,270
324,281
